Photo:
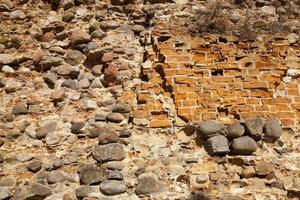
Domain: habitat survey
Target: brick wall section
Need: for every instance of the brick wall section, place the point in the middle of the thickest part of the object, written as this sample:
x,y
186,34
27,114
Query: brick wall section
x,y
219,78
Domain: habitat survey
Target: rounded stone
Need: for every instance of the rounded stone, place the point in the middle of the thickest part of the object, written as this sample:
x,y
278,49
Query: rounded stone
x,y
113,187
109,152
115,117
272,129
244,145
235,130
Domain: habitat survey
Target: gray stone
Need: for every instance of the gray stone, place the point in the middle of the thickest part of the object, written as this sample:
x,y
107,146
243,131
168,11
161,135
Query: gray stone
x,y
68,16
58,95
109,25
34,166
108,136
244,145
55,176
115,175
95,132
7,69
263,168
52,139
4,194
96,83
79,37
122,108
113,187
272,129
90,104
207,128
1,158
38,191
71,158
138,28
69,83
20,109
63,70
84,191
50,78
49,61
67,4
74,57
18,15
148,185
235,130
109,152
254,127
89,174
98,34
217,145
202,178
84,83
49,127
77,125
115,117
8,181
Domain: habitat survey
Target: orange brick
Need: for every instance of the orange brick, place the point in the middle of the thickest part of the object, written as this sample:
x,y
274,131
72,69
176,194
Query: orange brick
x,y
282,107
296,106
189,103
185,80
293,92
160,123
233,101
255,85
222,79
140,114
209,116
180,96
287,122
171,72
262,108
276,100
184,111
192,95
178,59
143,98
244,108
248,115
286,115
156,80
252,101
160,116
260,94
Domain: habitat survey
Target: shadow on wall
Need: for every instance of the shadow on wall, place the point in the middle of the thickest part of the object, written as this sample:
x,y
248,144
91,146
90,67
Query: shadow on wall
x,y
198,196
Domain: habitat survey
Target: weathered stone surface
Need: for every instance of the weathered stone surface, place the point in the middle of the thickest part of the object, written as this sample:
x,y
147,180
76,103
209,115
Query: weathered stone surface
x,y
79,37
217,145
263,168
113,187
4,193
207,128
122,108
20,109
148,185
243,145
84,191
115,117
50,127
38,191
89,174
254,127
74,57
272,129
109,152
77,125
34,166
235,130
55,176
108,137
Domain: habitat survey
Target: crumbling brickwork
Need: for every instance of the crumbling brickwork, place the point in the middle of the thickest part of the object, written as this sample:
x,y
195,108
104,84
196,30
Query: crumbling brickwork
x,y
220,78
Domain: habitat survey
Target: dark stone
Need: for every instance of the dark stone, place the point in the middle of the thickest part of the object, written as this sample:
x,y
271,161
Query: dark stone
x,y
38,191
109,152
217,145
272,129
113,187
235,130
148,185
244,145
254,127
207,128
90,174
34,166
20,109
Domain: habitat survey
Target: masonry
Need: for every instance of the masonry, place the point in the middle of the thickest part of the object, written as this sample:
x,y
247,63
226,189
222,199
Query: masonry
x,y
218,78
